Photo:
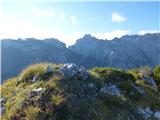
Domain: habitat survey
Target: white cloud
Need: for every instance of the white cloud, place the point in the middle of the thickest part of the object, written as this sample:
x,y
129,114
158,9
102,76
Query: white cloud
x,y
22,29
42,13
73,19
117,17
112,34
62,15
142,32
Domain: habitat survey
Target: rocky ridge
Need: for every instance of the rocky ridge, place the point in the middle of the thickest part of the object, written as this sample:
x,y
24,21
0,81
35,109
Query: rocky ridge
x,y
49,91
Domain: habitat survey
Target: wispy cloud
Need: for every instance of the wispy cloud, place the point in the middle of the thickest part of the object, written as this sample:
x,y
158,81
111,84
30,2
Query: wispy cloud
x,y
112,34
42,13
73,19
142,32
117,17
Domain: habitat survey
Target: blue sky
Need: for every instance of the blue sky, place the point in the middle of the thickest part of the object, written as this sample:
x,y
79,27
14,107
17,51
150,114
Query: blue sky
x,y
69,21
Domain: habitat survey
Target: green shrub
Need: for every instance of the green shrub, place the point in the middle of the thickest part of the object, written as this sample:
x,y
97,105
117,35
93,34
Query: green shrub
x,y
157,75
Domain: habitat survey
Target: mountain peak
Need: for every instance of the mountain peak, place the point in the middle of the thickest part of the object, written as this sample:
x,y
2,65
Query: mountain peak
x,y
87,36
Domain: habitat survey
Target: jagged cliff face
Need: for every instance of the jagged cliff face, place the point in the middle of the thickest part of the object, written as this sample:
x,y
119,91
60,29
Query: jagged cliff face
x,y
18,54
126,52
69,92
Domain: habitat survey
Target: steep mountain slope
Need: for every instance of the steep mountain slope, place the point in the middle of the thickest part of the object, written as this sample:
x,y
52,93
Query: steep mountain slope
x,y
17,54
69,92
126,52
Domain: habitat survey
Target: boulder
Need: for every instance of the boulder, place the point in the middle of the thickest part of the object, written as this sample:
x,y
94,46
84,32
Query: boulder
x,y
35,78
137,89
151,82
147,77
2,107
145,72
49,69
149,111
71,70
111,89
157,115
146,113
2,100
36,92
91,85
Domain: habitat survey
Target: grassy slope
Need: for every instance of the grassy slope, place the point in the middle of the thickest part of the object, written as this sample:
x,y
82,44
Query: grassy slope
x,y
64,99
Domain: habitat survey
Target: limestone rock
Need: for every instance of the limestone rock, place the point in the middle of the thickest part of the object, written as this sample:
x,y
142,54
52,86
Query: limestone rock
x,y
35,78
49,69
71,70
2,107
111,89
147,112
157,115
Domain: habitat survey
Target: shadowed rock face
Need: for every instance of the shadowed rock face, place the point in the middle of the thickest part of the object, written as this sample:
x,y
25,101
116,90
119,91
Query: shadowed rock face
x,y
125,52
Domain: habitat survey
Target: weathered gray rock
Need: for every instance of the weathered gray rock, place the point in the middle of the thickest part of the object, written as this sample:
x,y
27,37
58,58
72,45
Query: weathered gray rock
x,y
36,92
91,85
2,107
147,77
151,82
149,111
71,70
2,100
157,115
145,72
38,89
138,89
146,113
35,78
111,89
49,69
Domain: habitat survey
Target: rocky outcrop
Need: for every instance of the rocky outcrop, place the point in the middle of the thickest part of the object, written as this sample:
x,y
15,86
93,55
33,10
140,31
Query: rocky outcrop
x,y
111,89
87,51
2,107
147,112
71,70
147,76
157,115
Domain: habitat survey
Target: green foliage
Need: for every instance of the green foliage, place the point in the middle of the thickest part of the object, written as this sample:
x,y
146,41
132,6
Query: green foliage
x,y
37,69
121,78
71,98
31,112
157,76
113,75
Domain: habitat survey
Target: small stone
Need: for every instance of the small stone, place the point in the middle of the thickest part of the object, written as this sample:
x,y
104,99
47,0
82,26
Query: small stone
x,y
138,89
38,91
49,69
2,100
71,70
149,111
157,115
91,85
111,89
2,109
35,78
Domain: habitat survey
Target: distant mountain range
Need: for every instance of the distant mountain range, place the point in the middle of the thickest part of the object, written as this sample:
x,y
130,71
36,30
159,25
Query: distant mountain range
x,y
126,52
